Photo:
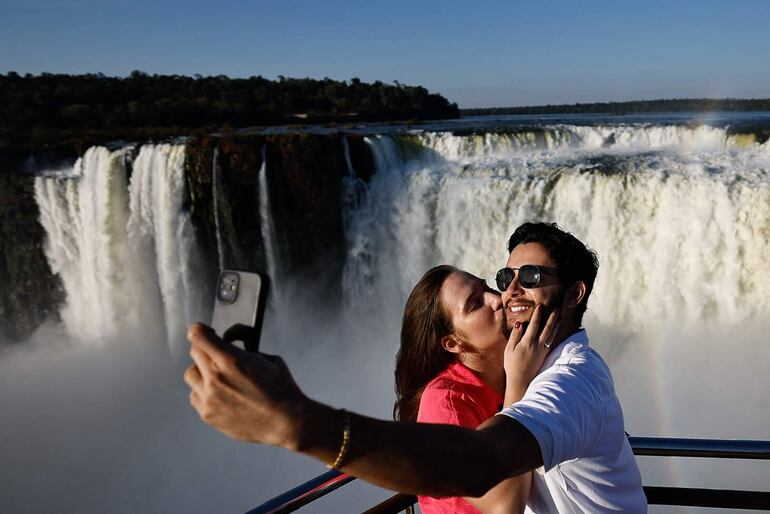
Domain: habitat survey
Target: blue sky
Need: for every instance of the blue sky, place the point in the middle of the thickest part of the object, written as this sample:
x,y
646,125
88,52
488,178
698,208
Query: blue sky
x,y
476,53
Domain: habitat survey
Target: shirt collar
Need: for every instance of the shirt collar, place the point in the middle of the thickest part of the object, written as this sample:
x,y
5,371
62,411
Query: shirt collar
x,y
576,339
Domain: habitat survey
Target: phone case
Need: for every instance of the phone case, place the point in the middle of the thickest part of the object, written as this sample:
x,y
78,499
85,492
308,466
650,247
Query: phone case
x,y
239,299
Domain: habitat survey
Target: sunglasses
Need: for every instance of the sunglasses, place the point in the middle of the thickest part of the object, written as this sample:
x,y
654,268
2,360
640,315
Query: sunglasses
x,y
529,276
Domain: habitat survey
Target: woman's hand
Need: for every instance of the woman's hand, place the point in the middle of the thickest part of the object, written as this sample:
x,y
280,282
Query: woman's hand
x,y
525,353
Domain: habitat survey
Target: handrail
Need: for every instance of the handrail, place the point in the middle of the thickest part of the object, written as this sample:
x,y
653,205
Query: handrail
x,y
711,448
643,446
303,494
711,498
396,503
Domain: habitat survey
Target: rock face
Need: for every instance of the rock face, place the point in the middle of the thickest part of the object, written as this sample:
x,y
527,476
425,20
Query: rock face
x,y
303,176
29,292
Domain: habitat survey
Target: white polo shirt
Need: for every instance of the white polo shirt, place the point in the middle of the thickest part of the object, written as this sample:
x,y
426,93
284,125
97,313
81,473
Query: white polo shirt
x,y
572,410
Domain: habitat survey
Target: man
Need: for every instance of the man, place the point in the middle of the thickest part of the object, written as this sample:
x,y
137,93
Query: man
x,y
568,427
571,407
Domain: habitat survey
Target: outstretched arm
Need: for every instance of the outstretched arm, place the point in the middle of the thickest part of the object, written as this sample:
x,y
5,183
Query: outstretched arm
x,y
428,459
508,497
253,398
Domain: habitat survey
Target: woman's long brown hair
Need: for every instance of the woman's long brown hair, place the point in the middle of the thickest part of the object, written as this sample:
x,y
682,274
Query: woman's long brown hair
x,y
421,357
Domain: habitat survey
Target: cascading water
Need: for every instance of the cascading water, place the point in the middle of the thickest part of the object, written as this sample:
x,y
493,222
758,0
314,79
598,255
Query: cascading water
x,y
216,174
589,138
700,216
85,214
364,227
266,225
159,222
352,187
127,256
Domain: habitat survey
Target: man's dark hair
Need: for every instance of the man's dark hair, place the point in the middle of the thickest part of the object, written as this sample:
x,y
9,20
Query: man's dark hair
x,y
574,261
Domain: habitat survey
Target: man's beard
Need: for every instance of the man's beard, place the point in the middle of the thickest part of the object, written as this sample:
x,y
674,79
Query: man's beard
x,y
556,302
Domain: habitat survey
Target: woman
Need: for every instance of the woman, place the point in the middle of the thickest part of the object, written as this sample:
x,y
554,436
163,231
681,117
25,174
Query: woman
x,y
456,366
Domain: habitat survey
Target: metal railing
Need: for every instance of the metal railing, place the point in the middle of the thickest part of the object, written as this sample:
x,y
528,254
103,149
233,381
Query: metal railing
x,y
303,494
642,446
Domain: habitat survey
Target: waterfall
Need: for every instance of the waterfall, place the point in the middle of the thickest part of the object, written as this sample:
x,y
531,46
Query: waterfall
x,y
353,189
364,228
348,162
216,173
266,225
127,255
685,229
662,205
158,219
574,138
85,215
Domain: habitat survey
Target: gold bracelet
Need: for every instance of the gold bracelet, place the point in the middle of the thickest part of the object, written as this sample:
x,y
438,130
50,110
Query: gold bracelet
x,y
345,441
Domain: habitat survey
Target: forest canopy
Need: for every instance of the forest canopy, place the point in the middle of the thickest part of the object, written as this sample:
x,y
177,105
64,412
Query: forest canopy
x,y
40,108
664,105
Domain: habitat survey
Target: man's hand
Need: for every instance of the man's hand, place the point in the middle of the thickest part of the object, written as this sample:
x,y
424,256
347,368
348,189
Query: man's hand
x,y
251,397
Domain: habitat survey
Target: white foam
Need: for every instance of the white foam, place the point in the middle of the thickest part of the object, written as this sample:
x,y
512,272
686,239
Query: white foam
x,y
687,232
127,255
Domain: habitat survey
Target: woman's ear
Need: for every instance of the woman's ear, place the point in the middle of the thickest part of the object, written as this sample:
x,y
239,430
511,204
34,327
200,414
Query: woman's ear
x,y
452,344
575,294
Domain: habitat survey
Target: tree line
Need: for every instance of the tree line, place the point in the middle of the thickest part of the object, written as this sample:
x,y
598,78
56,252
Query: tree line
x,y
41,106
663,105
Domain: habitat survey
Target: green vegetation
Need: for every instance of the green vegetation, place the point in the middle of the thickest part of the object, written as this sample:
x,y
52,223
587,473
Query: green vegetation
x,y
672,105
50,108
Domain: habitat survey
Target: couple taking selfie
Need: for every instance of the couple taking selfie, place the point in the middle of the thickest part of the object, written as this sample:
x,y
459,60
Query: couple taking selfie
x,y
513,409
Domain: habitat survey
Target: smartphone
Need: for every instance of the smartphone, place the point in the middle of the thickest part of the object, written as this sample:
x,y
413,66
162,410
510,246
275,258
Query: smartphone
x,y
239,307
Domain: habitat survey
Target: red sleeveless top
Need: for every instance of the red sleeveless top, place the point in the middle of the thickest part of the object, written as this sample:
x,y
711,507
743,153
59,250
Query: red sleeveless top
x,y
457,396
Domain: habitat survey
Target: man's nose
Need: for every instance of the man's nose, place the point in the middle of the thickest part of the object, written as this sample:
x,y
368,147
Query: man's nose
x,y
514,289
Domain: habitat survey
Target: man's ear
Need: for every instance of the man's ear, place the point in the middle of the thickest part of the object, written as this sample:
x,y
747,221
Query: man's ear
x,y
575,294
452,344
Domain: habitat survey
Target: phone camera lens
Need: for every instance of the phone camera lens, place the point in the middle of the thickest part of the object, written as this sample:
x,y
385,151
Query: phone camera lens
x,y
227,290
